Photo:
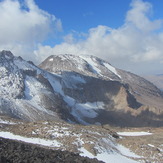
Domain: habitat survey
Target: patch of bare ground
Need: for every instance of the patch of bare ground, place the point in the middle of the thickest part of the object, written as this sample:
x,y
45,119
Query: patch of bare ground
x,y
150,147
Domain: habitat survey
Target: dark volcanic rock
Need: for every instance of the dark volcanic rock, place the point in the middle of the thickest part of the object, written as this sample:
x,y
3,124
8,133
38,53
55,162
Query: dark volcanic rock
x,y
18,152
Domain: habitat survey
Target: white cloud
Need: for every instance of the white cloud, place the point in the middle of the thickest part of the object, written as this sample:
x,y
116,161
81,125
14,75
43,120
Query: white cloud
x,y
137,40
23,25
139,16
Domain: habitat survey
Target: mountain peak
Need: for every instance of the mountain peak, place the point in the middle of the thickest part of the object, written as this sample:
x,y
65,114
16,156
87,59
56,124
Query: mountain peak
x,y
6,54
84,64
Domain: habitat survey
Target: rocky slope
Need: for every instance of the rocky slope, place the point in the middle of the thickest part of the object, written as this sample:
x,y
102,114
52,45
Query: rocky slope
x,y
77,89
14,151
40,141
92,141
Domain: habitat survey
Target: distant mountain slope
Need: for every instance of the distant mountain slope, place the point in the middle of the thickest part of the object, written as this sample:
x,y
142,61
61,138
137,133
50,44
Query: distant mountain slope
x,y
157,80
77,89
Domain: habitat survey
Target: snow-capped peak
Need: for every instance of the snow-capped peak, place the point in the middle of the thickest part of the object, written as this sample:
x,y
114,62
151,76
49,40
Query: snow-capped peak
x,y
6,54
84,64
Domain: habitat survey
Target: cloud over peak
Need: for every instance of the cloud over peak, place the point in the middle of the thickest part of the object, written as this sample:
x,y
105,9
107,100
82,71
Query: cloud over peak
x,y
137,40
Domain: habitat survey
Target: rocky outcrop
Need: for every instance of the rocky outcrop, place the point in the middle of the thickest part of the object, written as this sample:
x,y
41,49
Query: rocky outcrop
x,y
18,152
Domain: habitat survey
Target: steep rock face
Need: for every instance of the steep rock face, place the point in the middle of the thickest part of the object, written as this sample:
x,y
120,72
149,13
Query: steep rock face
x,y
144,91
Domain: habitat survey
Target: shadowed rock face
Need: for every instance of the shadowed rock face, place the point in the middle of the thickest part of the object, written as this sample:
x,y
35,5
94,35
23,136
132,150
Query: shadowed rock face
x,y
17,152
78,89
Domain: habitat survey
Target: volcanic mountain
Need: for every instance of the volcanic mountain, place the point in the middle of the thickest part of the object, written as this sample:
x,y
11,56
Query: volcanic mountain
x,y
77,89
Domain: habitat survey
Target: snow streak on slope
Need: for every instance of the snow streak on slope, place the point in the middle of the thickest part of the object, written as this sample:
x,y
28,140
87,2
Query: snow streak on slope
x,y
9,135
97,64
112,69
108,155
7,122
92,63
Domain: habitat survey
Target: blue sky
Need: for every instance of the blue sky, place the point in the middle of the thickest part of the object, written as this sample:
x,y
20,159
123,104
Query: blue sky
x,y
81,15
127,33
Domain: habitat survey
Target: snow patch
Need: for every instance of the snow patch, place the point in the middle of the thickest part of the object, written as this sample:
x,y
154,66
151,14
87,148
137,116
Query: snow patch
x,y
69,100
9,135
110,152
126,152
55,83
88,109
7,122
84,110
107,157
51,59
151,145
134,133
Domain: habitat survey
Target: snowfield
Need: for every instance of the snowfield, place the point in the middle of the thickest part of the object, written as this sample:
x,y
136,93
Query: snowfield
x,y
134,133
112,157
108,158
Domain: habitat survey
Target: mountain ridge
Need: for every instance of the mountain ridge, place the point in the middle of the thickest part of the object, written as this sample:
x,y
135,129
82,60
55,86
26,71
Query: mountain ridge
x,y
77,89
